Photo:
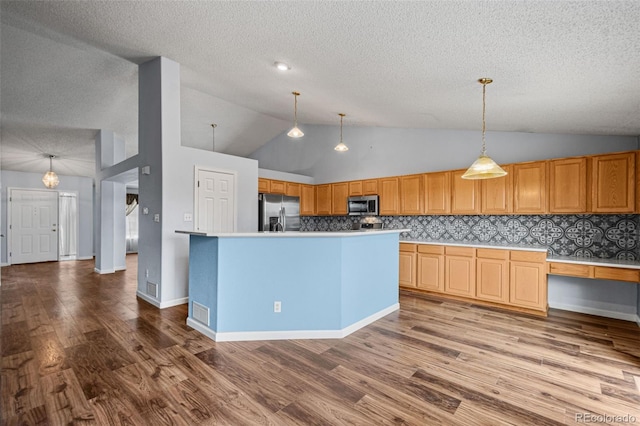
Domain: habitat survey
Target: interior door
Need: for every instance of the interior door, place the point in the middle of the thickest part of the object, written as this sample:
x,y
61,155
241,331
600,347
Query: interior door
x,y
33,226
215,198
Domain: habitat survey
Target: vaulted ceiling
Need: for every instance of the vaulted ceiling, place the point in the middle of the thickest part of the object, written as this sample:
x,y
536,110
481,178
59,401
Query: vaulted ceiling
x,y
69,68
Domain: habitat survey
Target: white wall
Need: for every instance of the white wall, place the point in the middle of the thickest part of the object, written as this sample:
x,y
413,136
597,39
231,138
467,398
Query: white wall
x,y
82,185
377,151
290,177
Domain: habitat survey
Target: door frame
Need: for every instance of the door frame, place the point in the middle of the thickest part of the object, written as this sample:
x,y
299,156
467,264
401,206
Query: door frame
x,y
77,196
196,170
10,223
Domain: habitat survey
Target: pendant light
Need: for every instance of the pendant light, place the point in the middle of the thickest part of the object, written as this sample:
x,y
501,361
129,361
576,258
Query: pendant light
x,y
341,147
295,132
50,179
213,137
484,167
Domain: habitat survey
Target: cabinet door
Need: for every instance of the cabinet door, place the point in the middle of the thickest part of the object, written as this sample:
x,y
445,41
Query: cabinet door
x,y
465,194
492,275
460,276
355,188
389,196
530,182
339,194
277,187
407,269
264,185
307,200
370,187
528,285
437,193
568,185
431,272
497,193
613,183
292,189
411,194
323,199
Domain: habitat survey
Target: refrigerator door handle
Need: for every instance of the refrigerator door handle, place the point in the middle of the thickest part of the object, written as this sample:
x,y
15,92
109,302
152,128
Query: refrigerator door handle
x,y
284,219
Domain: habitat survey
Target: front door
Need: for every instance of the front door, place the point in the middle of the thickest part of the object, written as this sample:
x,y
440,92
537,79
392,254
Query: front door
x,y
215,201
33,226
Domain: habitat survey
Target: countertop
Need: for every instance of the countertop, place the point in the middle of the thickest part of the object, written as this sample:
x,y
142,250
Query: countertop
x,y
293,234
612,263
476,245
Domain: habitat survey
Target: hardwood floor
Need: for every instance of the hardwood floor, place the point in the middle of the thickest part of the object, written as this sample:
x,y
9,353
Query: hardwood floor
x,y
79,348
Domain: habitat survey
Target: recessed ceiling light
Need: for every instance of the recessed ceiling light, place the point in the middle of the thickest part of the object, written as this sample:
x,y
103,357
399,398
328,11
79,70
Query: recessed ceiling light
x,y
282,66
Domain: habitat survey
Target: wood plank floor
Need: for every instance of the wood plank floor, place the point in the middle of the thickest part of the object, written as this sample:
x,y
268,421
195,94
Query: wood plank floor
x,y
79,348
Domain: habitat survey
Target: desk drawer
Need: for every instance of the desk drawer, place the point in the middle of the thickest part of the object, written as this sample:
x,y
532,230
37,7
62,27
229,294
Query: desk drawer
x,y
571,269
618,274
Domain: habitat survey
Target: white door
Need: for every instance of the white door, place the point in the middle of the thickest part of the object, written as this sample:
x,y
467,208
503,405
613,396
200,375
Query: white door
x,y
33,226
215,201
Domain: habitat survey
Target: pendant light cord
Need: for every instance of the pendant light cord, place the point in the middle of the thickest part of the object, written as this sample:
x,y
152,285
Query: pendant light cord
x,y
295,110
484,93
341,117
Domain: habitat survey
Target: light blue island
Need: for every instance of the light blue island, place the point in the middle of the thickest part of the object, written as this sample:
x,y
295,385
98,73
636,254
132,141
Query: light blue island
x,y
328,284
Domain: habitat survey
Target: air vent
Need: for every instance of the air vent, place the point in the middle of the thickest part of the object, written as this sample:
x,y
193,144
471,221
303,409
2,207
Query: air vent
x,y
200,313
152,289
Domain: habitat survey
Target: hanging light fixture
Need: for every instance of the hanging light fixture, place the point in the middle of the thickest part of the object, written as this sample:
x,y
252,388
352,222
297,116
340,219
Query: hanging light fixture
x,y
484,167
295,132
213,137
341,146
50,179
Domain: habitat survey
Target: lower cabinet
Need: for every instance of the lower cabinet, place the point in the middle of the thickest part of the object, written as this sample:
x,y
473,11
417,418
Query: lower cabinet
x,y
515,279
407,266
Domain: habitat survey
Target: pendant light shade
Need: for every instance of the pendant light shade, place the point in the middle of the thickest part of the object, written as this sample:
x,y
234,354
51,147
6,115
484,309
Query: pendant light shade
x,y
484,167
50,179
341,147
295,132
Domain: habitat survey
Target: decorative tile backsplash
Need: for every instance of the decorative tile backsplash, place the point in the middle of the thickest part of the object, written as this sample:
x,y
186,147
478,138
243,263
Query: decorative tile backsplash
x,y
602,236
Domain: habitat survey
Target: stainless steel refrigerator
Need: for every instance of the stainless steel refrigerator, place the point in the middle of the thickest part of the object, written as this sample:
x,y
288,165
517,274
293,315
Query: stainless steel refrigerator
x,y
278,213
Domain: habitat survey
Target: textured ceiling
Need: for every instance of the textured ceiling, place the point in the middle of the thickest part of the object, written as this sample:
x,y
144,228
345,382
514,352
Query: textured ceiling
x,y
558,67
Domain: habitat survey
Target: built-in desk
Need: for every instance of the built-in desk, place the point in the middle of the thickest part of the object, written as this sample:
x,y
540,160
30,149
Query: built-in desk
x,y
600,269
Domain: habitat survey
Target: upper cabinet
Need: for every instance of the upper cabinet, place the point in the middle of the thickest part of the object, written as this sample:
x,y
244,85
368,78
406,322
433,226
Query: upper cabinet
x,y
568,185
437,193
497,194
264,185
389,189
465,194
339,194
292,189
370,187
355,188
411,194
277,187
307,200
323,199
613,183
529,188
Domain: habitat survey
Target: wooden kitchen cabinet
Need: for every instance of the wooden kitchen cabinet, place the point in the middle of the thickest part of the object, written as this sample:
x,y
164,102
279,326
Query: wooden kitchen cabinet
x,y
292,189
460,271
307,200
613,183
528,280
339,195
264,186
277,187
568,185
492,275
497,194
430,268
465,194
407,266
323,200
389,196
411,194
355,188
437,193
370,187
530,183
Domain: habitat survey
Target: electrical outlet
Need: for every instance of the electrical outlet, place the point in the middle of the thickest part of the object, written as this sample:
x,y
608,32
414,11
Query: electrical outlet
x,y
277,306
146,273
156,217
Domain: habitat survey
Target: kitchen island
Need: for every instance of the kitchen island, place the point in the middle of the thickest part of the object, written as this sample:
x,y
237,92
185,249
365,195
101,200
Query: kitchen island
x,y
325,284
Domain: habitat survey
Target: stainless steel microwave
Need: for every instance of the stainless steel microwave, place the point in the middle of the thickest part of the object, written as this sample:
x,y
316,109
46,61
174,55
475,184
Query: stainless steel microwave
x,y
361,206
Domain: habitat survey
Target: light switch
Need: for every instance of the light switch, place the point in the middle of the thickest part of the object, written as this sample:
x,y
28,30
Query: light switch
x,y
145,210
156,217
188,217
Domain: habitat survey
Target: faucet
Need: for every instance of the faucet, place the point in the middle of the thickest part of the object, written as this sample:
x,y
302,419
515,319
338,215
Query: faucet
x,y
278,224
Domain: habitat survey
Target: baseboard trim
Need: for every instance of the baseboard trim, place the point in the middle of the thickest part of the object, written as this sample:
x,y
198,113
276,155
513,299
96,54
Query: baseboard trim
x,y
105,271
595,311
162,305
84,258
2,265
120,268
638,320
237,336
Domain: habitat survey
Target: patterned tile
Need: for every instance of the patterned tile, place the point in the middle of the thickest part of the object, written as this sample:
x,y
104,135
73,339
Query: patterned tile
x,y
581,235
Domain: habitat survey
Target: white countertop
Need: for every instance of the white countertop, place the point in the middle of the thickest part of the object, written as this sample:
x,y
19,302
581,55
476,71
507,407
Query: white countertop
x,y
477,245
293,234
612,263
